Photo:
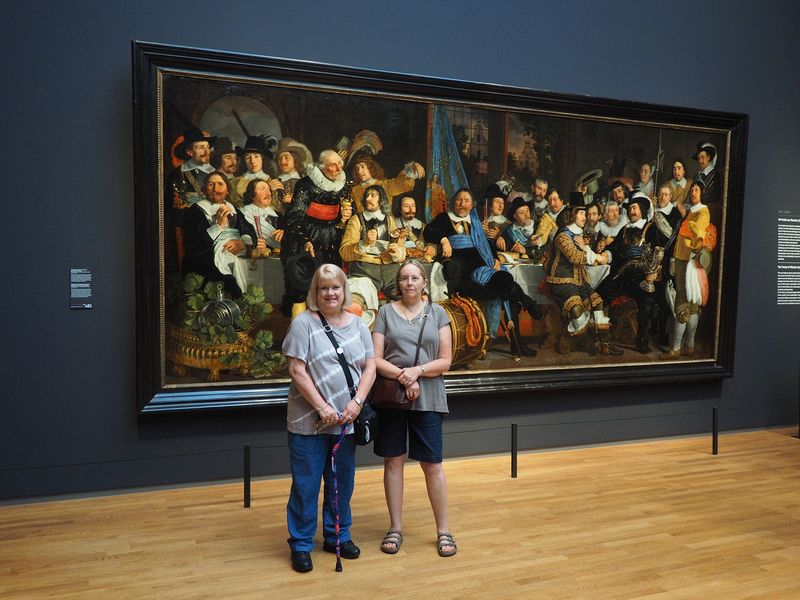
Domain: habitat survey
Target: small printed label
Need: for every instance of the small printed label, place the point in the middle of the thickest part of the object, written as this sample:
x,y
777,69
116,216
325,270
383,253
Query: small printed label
x,y
788,257
80,288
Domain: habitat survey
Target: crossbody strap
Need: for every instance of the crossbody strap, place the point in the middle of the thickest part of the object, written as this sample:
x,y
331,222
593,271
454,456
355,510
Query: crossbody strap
x,y
339,353
425,314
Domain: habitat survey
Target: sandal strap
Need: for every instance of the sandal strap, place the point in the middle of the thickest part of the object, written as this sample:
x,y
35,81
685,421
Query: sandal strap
x,y
446,539
391,542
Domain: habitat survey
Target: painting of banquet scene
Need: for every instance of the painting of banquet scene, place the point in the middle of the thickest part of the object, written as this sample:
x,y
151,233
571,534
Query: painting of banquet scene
x,y
551,241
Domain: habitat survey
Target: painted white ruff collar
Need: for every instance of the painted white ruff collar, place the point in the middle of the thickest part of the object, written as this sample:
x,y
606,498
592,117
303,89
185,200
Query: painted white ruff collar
x,y
190,165
322,182
712,163
261,211
695,207
210,209
288,176
667,209
249,176
374,214
499,219
681,183
527,229
554,215
638,225
575,229
415,223
456,219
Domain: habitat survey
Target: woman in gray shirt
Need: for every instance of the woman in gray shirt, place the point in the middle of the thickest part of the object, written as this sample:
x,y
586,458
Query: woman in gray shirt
x,y
395,339
320,407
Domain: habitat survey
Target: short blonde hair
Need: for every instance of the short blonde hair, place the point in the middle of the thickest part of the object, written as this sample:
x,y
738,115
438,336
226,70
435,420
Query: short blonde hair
x,y
327,272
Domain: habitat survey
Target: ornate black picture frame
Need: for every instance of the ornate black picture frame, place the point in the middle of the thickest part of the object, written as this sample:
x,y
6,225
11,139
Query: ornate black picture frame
x,y
434,134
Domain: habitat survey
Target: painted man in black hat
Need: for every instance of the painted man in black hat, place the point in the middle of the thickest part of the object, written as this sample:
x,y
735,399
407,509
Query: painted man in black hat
x,y
224,157
184,187
495,221
255,155
632,270
519,234
186,183
708,174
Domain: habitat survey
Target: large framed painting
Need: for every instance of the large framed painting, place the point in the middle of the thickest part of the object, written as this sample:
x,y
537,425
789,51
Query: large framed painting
x,y
573,241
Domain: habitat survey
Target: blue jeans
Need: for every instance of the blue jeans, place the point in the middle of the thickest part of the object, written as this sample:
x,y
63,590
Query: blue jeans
x,y
310,462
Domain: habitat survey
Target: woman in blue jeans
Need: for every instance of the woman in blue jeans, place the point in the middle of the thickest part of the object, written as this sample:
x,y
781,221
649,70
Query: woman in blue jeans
x,y
320,406
395,336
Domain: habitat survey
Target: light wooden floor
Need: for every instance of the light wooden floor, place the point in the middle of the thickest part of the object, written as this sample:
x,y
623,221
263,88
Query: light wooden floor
x,y
662,519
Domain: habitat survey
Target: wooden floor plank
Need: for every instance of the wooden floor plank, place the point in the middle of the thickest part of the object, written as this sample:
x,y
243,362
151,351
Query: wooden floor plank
x,y
656,520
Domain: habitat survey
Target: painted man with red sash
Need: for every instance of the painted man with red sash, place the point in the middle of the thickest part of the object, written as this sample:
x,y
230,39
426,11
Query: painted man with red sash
x,y
313,226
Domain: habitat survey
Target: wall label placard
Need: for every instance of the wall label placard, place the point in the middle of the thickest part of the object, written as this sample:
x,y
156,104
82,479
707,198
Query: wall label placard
x,y
788,257
80,288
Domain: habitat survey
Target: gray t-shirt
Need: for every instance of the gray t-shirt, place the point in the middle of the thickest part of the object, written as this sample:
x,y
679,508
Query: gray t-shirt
x,y
400,345
306,340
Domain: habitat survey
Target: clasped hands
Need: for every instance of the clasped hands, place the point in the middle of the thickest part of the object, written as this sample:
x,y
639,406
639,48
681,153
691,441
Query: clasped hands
x,y
329,416
408,378
223,212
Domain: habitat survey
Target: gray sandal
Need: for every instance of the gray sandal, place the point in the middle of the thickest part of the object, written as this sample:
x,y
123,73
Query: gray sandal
x,y
394,538
445,540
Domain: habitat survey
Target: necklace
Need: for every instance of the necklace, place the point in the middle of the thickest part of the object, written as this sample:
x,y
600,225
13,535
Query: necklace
x,y
405,314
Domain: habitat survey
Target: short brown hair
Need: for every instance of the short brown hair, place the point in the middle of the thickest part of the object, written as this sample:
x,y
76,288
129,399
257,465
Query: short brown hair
x,y
414,263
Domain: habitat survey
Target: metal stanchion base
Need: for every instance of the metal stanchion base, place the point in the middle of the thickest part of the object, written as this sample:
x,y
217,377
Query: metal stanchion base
x,y
714,431
247,476
513,450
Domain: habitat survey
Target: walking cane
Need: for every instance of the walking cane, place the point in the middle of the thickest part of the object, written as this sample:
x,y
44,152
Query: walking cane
x,y
336,499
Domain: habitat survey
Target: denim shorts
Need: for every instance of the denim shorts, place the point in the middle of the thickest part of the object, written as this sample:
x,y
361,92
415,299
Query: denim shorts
x,y
422,429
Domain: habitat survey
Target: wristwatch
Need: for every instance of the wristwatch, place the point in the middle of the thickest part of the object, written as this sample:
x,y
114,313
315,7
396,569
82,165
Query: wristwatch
x,y
357,400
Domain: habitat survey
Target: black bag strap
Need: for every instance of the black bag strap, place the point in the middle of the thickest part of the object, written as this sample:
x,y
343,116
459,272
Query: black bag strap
x,y
425,313
339,353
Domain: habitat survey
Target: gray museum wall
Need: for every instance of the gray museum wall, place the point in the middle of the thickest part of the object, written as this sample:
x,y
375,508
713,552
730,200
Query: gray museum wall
x,y
69,421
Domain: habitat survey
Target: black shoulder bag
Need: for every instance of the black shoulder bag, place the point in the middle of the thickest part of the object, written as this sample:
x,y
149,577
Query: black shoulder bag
x,y
389,394
366,425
